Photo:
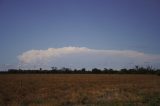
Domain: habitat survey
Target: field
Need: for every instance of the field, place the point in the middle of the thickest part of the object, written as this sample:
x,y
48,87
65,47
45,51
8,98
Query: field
x,y
79,90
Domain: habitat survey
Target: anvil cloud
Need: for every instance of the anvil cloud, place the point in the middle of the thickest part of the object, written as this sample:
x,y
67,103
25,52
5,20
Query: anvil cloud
x,y
82,56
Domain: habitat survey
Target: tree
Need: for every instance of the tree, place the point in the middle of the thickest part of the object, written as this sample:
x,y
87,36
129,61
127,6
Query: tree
x,y
83,70
96,70
54,68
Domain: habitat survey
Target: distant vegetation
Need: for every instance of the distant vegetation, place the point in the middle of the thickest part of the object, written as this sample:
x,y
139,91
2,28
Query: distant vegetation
x,y
54,70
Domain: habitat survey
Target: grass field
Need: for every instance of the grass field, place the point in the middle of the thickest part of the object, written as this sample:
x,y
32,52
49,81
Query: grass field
x,y
79,90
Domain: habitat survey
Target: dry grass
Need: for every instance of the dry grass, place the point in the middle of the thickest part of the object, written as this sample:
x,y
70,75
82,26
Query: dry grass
x,y
79,90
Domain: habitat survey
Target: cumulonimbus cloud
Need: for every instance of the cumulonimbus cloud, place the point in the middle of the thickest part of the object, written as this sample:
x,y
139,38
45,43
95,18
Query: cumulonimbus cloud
x,y
50,53
78,53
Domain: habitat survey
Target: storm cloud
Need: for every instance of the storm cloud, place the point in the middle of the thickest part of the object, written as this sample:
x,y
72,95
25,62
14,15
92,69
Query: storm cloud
x,y
86,57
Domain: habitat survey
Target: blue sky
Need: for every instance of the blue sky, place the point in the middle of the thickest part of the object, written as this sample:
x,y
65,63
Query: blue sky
x,y
96,24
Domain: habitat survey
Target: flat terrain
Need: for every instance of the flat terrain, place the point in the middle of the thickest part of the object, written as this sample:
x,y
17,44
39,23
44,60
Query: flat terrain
x,y
79,90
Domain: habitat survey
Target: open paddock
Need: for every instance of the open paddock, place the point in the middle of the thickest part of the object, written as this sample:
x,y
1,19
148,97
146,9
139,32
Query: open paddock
x,y
79,89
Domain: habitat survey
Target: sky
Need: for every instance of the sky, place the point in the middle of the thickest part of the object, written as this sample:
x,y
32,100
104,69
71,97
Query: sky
x,y
36,30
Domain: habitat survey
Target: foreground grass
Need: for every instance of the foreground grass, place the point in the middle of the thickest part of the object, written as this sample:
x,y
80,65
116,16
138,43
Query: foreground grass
x,y
79,90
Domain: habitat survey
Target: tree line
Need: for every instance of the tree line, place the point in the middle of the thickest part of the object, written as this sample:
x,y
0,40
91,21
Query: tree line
x,y
55,70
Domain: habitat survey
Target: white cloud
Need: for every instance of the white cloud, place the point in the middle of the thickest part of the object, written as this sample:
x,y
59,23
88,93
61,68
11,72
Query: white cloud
x,y
85,57
43,55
